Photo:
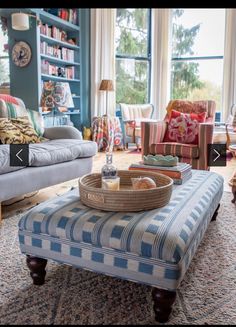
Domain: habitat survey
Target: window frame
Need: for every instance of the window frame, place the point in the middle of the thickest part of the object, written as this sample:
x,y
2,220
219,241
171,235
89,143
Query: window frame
x,y
194,58
148,58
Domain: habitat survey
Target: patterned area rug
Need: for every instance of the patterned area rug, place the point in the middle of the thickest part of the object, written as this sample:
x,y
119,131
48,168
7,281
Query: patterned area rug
x,y
74,296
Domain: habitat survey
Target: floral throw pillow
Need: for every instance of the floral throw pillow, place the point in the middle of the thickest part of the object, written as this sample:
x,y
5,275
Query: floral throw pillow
x,y
183,128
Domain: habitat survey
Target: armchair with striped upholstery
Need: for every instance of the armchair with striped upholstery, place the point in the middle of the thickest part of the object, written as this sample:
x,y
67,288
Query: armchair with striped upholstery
x,y
152,135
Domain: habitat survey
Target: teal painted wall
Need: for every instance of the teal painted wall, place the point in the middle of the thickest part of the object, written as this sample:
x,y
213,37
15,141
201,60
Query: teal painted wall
x,y
24,81
85,66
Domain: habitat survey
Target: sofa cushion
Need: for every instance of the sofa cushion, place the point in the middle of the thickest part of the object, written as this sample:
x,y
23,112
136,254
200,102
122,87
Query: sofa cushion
x,y
50,153
5,160
60,150
17,131
12,110
8,98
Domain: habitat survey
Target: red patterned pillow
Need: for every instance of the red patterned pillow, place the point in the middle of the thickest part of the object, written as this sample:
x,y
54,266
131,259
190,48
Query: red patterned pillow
x,y
183,128
8,98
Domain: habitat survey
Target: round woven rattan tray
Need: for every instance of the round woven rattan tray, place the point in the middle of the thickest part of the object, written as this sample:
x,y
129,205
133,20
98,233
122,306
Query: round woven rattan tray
x,y
126,199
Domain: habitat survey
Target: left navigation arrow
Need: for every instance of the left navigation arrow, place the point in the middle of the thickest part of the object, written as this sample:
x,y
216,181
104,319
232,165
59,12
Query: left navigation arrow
x,y
19,155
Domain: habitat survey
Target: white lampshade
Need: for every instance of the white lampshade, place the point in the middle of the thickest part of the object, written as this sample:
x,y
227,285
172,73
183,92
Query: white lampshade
x,y
20,21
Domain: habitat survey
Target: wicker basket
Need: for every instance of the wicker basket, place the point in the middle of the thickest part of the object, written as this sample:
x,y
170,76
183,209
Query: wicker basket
x,y
126,199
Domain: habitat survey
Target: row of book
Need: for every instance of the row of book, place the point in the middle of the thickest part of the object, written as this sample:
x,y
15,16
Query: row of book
x,y
180,173
50,69
70,15
54,32
57,51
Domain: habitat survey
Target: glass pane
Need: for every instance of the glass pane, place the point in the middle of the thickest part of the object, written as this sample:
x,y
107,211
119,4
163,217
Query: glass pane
x,y
197,80
4,60
198,32
3,41
4,71
132,32
131,81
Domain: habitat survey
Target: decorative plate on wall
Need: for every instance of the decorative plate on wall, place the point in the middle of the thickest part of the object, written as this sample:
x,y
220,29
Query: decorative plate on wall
x,y
21,54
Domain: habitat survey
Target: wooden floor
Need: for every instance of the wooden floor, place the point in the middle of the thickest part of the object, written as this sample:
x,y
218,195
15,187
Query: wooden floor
x,y
121,159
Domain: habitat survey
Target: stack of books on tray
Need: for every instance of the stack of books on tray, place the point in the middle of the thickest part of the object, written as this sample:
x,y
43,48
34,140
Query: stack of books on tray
x,y
180,173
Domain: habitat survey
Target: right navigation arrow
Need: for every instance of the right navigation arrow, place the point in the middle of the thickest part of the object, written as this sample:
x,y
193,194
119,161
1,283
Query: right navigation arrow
x,y
218,155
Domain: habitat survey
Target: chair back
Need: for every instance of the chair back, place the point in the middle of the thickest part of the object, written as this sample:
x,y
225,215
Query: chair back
x,y
185,106
136,111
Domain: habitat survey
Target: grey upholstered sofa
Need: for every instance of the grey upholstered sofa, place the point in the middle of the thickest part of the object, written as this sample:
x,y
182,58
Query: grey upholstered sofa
x,y
64,157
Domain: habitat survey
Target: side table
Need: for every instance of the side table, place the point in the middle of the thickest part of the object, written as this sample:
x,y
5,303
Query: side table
x,y
107,132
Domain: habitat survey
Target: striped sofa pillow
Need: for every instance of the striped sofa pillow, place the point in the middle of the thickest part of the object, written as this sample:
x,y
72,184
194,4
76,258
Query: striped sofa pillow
x,y
12,110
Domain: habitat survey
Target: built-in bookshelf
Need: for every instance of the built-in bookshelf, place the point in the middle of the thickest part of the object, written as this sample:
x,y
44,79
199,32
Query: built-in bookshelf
x,y
55,42
59,53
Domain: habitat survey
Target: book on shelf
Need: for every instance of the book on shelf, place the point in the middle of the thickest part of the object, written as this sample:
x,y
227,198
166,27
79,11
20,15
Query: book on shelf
x,y
50,69
70,15
57,51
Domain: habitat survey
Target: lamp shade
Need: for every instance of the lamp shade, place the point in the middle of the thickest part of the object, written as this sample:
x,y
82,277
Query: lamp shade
x,y
56,94
20,21
106,85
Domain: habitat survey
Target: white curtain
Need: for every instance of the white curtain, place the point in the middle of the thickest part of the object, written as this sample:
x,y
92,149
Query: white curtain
x,y
161,58
102,59
229,78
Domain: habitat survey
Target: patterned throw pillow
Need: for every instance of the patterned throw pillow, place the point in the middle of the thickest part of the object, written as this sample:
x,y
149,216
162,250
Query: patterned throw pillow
x,y
9,98
17,131
185,106
183,128
12,110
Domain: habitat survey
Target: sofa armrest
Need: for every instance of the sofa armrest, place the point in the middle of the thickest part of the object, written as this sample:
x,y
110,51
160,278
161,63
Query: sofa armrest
x,y
62,132
151,133
205,137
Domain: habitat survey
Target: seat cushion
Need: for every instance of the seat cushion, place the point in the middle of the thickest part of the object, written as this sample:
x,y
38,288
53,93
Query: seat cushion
x,y
50,153
175,149
61,150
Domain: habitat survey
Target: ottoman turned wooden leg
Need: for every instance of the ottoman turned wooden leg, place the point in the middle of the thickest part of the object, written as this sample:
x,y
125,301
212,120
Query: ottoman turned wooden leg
x,y
163,301
37,269
215,213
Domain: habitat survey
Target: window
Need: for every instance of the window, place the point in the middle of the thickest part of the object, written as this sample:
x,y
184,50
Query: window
x,y
133,55
197,54
4,58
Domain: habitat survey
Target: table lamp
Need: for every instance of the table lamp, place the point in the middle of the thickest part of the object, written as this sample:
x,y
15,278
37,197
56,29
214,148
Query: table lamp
x,y
56,94
106,85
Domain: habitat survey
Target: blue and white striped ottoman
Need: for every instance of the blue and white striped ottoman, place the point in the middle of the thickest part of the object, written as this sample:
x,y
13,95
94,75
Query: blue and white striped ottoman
x,y
152,247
